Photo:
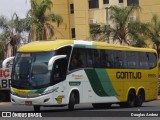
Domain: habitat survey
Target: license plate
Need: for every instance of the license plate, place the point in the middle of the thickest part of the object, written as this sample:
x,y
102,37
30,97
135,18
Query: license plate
x,y
28,103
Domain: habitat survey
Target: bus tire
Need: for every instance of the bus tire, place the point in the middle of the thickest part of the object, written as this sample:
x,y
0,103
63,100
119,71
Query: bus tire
x,y
3,97
139,99
72,101
101,105
36,108
131,99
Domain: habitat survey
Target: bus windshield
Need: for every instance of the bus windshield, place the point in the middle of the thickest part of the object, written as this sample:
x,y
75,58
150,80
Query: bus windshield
x,y
30,70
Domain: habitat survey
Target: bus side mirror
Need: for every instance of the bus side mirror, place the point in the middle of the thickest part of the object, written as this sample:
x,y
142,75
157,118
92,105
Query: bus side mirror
x,y
5,62
53,59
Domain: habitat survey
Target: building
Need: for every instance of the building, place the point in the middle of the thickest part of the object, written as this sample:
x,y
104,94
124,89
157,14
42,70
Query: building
x,y
79,15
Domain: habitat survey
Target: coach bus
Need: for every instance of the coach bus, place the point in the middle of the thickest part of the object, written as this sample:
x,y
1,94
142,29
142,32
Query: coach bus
x,y
69,72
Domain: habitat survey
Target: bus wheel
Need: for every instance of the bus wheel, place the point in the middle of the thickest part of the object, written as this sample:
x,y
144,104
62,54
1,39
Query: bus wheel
x,y
36,108
139,99
71,102
101,105
3,97
131,99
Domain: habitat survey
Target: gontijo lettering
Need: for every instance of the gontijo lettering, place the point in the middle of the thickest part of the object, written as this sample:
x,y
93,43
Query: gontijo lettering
x,y
128,75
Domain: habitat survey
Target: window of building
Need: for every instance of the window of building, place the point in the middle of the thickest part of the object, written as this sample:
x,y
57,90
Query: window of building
x,y
73,32
93,4
132,2
71,8
120,1
105,1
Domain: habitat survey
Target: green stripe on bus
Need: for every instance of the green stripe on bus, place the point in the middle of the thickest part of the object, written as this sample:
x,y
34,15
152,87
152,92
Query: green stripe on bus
x,y
90,46
84,46
38,90
95,82
106,83
79,46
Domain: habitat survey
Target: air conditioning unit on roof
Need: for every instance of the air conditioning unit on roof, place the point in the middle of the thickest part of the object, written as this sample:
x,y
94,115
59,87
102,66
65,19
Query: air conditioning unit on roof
x,y
132,18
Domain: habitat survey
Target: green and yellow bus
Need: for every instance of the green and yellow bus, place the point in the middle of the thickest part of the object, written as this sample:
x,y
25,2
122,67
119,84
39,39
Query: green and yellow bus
x,y
69,72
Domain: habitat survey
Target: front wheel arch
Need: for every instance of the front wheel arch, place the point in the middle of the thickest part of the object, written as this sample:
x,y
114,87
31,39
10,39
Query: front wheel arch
x,y
74,98
77,95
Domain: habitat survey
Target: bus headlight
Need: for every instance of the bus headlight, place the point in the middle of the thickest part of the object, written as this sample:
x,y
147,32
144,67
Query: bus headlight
x,y
49,91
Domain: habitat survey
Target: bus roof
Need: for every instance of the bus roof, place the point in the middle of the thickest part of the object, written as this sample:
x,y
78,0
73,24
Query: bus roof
x,y
44,46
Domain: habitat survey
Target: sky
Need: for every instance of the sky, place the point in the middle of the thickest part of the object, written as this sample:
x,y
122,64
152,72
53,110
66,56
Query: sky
x,y
8,7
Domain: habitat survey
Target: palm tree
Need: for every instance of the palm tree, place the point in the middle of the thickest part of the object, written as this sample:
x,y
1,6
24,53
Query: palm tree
x,y
4,26
137,35
152,31
12,30
120,18
100,32
42,17
1,51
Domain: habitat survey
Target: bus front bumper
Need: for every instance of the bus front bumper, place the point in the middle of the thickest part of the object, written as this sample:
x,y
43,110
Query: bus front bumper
x,y
40,100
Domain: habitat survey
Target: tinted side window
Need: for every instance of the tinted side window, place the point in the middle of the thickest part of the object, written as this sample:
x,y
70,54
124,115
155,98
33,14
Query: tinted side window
x,y
119,59
143,60
65,51
78,59
89,58
152,60
132,59
59,70
107,59
97,58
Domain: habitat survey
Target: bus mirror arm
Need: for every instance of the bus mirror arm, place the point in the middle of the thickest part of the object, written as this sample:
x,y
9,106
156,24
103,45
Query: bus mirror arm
x,y
4,63
53,59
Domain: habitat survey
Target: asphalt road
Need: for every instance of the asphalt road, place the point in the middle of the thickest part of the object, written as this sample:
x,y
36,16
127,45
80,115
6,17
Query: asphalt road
x,y
86,111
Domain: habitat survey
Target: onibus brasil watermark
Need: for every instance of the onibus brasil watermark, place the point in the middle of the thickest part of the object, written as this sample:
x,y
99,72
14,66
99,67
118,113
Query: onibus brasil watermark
x,y
21,115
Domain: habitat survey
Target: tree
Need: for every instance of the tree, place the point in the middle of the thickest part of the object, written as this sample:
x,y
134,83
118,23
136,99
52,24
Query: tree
x,y
120,18
152,31
123,30
137,35
100,32
42,17
12,31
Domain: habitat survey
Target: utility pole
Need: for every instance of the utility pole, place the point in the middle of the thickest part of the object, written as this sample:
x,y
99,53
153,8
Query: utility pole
x,y
107,15
107,22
